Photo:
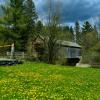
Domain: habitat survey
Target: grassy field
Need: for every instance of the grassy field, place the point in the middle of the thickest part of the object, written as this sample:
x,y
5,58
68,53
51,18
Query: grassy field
x,y
38,81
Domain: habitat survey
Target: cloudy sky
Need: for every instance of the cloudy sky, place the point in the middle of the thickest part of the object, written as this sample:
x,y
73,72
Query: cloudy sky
x,y
71,10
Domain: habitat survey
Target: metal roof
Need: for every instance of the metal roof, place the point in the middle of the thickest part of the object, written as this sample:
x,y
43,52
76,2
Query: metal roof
x,y
63,42
68,44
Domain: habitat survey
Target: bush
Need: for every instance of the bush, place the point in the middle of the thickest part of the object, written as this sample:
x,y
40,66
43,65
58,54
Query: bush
x,y
95,56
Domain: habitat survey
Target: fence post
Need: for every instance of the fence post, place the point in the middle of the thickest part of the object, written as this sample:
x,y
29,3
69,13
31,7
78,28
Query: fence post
x,y
12,51
23,55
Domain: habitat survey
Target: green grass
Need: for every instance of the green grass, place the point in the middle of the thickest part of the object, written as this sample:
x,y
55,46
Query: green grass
x,y
38,81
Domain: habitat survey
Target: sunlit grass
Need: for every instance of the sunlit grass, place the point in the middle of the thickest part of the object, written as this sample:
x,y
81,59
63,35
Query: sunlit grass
x,y
39,81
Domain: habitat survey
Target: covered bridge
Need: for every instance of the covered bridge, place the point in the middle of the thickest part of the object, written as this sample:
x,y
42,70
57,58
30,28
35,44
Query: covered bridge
x,y
70,52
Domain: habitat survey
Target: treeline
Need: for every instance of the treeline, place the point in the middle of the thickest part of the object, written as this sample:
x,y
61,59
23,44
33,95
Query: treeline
x,y
88,37
20,25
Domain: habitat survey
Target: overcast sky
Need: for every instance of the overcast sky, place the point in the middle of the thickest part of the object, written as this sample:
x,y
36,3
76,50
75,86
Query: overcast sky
x,y
71,10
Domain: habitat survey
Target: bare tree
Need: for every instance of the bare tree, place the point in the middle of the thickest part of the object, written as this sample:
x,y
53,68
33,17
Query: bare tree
x,y
53,26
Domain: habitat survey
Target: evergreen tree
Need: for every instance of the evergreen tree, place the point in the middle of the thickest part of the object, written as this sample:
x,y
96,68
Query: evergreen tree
x,y
65,33
66,28
30,19
71,35
78,33
89,40
39,28
31,15
87,27
19,21
13,20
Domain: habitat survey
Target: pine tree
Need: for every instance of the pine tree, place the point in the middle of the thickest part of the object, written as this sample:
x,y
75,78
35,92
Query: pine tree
x,y
71,35
13,20
31,15
89,40
87,27
78,33
39,28
30,18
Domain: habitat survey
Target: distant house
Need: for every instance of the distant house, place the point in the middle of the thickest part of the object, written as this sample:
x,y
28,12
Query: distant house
x,y
70,52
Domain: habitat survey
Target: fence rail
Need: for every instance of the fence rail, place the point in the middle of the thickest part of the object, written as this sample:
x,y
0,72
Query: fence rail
x,y
20,55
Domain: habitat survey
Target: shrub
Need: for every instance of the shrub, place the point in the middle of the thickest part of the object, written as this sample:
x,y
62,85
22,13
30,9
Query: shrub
x,y
95,56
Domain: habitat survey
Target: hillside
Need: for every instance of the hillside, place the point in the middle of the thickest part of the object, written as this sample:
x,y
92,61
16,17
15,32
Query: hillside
x,y
39,81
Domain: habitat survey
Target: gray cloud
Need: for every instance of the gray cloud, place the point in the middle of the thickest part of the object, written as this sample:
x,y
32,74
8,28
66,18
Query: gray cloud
x,y
72,10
